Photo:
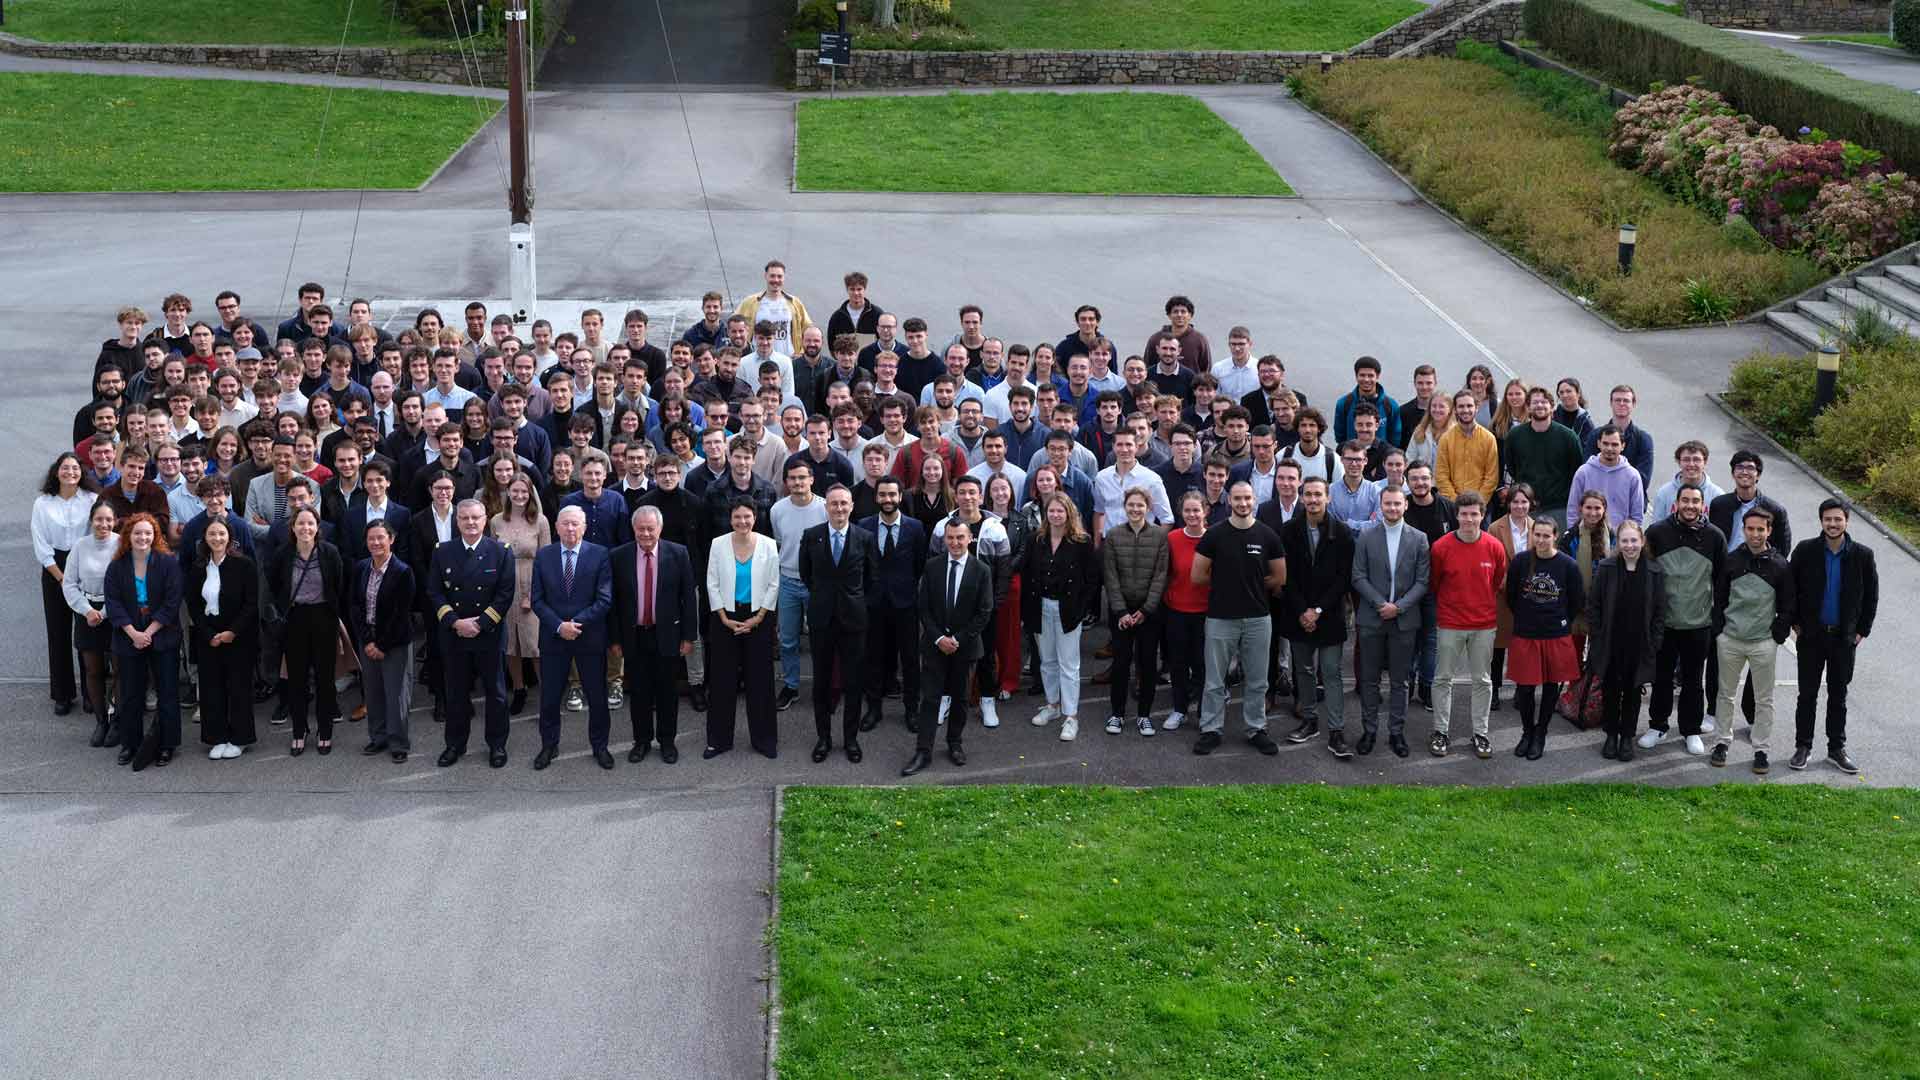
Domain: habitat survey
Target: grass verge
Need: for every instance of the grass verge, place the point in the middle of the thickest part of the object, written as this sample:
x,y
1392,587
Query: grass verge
x,y
1580,930
1201,24
123,133
213,22
1150,144
1479,142
1867,441
1858,39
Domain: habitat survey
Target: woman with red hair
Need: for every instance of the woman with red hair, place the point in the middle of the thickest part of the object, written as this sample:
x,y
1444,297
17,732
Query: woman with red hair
x,y
143,588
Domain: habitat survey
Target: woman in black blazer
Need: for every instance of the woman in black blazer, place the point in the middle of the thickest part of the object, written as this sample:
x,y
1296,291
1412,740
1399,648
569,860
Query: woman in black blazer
x,y
223,593
143,604
311,610
1056,592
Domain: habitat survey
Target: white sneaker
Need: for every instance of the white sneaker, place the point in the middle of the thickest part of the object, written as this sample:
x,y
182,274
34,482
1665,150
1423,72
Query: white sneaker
x,y
1173,721
945,704
1047,715
1695,745
1146,726
218,752
1114,726
616,694
988,716
1070,729
1653,737
232,751
576,701
1707,726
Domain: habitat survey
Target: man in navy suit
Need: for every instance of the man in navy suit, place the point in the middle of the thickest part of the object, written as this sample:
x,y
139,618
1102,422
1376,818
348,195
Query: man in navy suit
x,y
900,553
655,622
376,478
469,592
955,605
837,567
572,594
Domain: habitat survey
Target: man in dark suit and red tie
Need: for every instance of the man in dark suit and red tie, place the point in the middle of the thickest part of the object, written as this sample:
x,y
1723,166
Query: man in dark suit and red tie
x,y
572,594
655,622
837,567
956,603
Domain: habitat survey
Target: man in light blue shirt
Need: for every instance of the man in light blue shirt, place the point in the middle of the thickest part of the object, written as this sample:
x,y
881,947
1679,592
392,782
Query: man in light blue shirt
x,y
1352,498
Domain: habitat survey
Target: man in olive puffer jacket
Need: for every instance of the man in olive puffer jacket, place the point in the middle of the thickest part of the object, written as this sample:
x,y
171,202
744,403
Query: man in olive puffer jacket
x,y
1752,613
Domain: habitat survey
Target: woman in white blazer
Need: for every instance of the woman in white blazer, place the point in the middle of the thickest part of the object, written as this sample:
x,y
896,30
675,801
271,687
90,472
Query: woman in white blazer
x,y
743,585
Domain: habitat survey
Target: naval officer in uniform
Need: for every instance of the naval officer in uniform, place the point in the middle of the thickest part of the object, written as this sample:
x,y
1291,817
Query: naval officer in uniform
x,y
470,589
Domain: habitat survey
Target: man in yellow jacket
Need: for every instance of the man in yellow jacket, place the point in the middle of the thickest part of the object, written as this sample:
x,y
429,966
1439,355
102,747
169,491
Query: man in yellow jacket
x,y
1469,456
787,314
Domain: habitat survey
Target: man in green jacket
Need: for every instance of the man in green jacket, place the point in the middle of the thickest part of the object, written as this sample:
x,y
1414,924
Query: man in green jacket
x,y
1545,455
1752,613
1691,551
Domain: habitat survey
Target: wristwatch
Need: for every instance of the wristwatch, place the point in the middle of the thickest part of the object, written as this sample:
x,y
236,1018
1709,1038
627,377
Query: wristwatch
x,y
1316,611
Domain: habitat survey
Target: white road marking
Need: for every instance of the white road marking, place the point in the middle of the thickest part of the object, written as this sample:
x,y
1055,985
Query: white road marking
x,y
1478,345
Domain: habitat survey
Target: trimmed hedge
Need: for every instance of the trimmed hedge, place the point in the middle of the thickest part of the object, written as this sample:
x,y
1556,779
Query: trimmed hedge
x,y
1906,23
1642,46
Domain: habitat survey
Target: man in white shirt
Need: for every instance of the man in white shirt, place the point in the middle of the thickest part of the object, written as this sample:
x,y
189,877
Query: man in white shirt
x,y
235,409
1018,363
964,389
893,435
1237,374
1110,487
771,463
445,392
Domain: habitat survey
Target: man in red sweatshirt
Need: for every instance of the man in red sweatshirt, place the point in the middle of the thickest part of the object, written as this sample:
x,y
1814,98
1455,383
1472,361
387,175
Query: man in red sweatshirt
x,y
1469,567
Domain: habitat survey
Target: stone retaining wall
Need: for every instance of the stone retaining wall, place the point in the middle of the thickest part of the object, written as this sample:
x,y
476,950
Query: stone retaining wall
x,y
1413,28
1845,16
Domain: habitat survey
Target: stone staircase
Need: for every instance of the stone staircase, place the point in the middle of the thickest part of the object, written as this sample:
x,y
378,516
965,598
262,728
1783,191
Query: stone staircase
x,y
1891,289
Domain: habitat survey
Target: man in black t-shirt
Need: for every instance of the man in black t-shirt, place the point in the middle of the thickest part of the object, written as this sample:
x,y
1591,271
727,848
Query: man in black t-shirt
x,y
1240,560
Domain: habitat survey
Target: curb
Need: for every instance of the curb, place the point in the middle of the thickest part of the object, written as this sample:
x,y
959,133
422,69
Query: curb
x,y
1853,506
773,941
499,107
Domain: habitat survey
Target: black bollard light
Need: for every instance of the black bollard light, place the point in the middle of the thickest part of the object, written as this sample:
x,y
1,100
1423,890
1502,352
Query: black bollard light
x,y
1826,376
1629,236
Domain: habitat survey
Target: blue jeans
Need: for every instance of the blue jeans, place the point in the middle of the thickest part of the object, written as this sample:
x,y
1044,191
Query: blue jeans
x,y
793,612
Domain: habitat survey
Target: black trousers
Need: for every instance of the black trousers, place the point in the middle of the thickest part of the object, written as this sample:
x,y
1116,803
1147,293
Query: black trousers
x,y
312,635
160,669
1187,658
226,694
893,638
59,617
848,648
1682,652
653,699
944,676
463,668
1825,652
734,660
1138,647
1620,706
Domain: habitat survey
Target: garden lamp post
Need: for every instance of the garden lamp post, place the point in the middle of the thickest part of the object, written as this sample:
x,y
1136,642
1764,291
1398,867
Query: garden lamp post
x,y
1826,375
1629,236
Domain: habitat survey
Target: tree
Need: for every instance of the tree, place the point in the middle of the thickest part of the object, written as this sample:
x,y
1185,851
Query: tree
x,y
883,13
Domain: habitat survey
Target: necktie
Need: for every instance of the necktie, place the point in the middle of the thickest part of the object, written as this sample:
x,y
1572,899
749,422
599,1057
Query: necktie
x,y
382,414
836,549
886,544
953,582
566,574
646,588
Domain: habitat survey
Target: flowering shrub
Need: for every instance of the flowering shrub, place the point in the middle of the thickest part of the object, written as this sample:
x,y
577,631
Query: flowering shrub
x,y
1812,193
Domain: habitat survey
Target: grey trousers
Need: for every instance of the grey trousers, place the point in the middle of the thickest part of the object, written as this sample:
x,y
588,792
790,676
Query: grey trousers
x,y
1227,639
1312,661
388,688
1391,648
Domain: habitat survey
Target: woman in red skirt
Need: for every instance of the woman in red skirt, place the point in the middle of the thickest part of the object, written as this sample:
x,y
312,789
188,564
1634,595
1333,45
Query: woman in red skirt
x,y
1545,592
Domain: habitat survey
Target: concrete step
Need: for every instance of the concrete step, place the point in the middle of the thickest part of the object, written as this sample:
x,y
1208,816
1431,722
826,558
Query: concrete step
x,y
1860,300
1890,293
1798,327
1905,275
1825,314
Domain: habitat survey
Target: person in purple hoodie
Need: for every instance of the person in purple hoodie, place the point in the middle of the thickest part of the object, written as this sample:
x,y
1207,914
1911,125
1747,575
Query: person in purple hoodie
x,y
1608,472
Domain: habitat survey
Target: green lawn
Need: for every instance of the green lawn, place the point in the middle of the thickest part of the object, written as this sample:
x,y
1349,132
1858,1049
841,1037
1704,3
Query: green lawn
x,y
1863,39
121,133
1146,144
211,22
1193,24
1733,931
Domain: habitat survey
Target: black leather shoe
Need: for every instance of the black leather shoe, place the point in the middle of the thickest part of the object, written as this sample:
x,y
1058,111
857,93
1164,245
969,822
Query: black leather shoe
x,y
448,757
821,749
920,760
785,698
602,758
1362,745
497,759
697,698
64,708
163,757
871,718
1538,744
668,755
1263,742
1207,743
1611,746
956,754
1337,745
1306,731
1398,744
398,756
373,748
99,737
542,759
639,753
712,752
853,753
1625,753
518,704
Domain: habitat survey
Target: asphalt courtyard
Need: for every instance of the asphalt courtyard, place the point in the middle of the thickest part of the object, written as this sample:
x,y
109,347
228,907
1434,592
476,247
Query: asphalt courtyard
x,y
339,917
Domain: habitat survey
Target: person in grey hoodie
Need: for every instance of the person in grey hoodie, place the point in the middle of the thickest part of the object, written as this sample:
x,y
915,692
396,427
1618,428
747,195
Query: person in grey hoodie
x,y
1608,471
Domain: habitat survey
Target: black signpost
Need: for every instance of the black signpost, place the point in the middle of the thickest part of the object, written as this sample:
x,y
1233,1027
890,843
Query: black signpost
x,y
836,51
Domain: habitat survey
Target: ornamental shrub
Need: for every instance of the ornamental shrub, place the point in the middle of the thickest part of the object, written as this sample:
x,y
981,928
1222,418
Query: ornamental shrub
x,y
1906,23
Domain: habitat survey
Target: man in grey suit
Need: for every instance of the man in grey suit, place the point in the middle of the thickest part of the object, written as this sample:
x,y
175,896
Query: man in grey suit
x,y
1390,565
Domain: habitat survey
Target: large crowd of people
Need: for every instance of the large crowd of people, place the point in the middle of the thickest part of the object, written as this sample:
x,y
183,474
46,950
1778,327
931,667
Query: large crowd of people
x,y
251,518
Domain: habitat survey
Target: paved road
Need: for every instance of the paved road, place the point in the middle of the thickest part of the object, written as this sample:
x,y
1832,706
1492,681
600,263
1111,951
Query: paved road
x,y
1866,62
1355,265
705,43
